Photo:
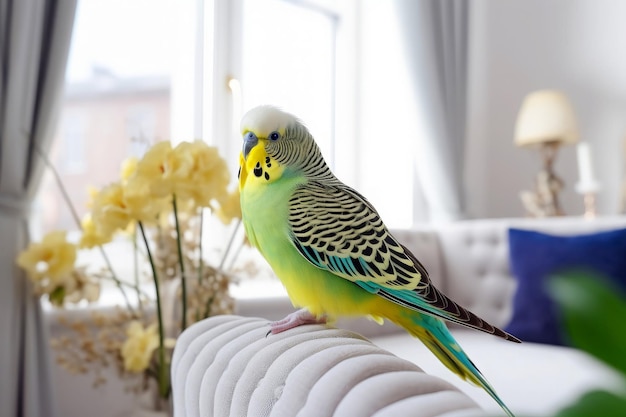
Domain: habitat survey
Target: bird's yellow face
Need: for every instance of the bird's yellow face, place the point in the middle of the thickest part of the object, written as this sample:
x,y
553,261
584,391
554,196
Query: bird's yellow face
x,y
265,133
256,166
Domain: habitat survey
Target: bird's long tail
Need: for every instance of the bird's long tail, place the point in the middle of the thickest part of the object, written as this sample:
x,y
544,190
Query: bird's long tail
x,y
435,335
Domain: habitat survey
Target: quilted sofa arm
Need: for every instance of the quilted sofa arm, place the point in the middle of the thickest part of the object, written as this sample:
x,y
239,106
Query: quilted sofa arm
x,y
226,366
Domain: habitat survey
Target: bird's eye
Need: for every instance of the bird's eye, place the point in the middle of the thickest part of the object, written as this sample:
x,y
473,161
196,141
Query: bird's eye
x,y
274,136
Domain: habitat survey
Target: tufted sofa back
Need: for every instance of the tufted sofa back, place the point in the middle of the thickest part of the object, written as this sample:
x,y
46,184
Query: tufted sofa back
x,y
469,260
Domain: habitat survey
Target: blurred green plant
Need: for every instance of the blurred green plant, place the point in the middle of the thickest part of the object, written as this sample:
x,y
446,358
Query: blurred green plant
x,y
594,313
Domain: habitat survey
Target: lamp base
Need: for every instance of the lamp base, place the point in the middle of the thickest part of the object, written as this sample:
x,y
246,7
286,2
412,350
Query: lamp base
x,y
544,201
535,207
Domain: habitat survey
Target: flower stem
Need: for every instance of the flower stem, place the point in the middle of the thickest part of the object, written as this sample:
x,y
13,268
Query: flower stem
x,y
201,260
136,269
117,281
230,244
207,307
130,286
182,265
236,255
68,201
162,376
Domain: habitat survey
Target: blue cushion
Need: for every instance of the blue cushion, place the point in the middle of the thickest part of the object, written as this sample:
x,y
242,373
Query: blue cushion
x,y
534,257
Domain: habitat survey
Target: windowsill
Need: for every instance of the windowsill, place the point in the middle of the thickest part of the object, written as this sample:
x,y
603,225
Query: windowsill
x,y
256,288
257,298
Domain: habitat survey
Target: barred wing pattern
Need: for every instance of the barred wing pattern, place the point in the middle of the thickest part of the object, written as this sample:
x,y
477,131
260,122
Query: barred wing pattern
x,y
337,229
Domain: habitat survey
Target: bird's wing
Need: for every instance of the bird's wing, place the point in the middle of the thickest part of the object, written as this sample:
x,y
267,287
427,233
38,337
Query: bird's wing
x,y
338,230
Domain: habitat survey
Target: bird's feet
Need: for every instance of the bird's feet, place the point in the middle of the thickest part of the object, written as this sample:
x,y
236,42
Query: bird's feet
x,y
295,319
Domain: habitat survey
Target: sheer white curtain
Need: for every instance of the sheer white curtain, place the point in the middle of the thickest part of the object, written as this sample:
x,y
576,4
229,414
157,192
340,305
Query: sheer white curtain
x,y
435,34
34,44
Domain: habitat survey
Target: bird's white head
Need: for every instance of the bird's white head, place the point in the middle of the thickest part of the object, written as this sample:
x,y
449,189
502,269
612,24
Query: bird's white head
x,y
265,124
279,141
263,120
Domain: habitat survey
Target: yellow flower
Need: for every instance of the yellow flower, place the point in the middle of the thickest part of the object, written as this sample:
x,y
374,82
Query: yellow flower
x,y
150,170
230,207
129,167
49,263
138,348
141,204
204,174
191,171
109,211
117,205
93,192
90,237
146,193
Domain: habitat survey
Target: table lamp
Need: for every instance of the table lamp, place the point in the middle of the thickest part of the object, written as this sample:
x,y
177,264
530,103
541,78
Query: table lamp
x,y
545,121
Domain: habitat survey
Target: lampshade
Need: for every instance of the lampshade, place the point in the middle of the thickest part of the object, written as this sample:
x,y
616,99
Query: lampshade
x,y
546,116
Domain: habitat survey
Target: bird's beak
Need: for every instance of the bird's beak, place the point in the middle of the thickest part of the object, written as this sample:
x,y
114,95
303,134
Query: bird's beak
x,y
249,141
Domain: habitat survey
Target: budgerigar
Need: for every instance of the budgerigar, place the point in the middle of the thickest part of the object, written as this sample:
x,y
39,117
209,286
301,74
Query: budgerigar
x,y
330,248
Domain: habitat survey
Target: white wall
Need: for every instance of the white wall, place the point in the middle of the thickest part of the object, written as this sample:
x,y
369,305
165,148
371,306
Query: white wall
x,y
517,47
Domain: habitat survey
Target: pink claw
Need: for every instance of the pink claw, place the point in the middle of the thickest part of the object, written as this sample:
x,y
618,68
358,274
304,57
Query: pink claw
x,y
295,319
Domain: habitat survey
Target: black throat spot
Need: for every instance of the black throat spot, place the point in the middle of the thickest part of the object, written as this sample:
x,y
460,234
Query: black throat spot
x,y
258,171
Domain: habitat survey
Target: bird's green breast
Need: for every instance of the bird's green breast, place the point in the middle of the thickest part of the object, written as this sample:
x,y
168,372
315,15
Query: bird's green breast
x,y
265,209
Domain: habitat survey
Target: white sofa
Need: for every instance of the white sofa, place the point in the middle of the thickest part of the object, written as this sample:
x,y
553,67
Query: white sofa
x,y
227,363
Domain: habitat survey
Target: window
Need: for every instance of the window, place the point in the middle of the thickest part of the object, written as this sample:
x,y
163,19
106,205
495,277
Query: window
x,y
142,71
339,66
74,136
117,102
283,53
290,62
112,101
141,128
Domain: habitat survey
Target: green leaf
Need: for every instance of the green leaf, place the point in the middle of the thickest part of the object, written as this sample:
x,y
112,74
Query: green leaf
x,y
57,296
594,313
596,404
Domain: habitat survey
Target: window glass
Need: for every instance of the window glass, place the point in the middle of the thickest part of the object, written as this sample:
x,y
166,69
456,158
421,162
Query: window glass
x,y
132,80
288,60
116,103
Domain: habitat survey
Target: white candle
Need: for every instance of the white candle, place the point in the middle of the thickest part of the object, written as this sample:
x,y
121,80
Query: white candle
x,y
585,170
